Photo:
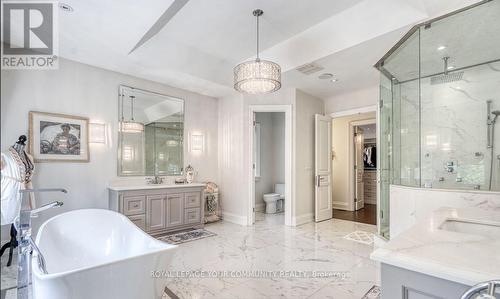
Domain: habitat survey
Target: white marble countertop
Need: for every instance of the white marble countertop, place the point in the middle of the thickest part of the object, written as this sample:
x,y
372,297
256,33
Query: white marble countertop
x,y
460,257
126,186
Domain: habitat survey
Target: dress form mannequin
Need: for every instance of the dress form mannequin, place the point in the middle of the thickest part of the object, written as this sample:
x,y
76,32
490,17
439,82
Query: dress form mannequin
x,y
26,168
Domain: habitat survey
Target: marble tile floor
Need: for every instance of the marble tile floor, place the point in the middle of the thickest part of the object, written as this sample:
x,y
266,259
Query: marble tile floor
x,y
268,246
271,246
8,277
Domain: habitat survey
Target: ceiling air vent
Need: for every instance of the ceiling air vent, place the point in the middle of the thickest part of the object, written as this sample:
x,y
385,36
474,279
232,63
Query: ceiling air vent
x,y
309,68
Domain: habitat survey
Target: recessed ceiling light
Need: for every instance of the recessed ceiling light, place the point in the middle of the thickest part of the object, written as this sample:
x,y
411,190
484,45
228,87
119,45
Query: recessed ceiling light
x,y
325,76
450,67
65,7
441,48
334,80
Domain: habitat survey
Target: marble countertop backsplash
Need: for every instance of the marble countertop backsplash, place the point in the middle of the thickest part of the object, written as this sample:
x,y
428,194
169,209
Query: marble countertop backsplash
x,y
465,258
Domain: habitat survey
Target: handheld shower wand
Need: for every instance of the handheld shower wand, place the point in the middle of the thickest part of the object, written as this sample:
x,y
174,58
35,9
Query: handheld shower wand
x,y
491,121
496,113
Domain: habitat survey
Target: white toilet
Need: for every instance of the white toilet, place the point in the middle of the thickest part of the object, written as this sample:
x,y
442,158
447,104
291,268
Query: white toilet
x,y
275,202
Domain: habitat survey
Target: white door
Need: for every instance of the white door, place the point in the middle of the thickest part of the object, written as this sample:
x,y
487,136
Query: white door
x,y
359,169
255,161
323,167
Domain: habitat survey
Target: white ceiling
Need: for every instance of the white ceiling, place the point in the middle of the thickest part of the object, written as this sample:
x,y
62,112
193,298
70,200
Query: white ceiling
x,y
199,47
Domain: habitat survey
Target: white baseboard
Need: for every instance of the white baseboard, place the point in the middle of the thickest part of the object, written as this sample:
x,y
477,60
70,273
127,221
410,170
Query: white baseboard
x,y
340,205
260,207
302,219
233,218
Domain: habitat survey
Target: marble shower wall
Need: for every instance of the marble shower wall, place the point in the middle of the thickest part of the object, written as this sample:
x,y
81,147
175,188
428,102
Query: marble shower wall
x,y
453,129
407,134
410,205
446,123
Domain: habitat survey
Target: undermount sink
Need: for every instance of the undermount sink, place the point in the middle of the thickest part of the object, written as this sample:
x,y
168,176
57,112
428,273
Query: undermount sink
x,y
486,229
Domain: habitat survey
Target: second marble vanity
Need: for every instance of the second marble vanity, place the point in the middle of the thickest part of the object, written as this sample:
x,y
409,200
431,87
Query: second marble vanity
x,y
161,208
443,256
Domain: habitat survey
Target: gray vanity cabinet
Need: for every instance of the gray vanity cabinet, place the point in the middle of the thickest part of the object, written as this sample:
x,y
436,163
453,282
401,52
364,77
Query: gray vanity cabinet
x,y
160,210
155,216
175,209
399,283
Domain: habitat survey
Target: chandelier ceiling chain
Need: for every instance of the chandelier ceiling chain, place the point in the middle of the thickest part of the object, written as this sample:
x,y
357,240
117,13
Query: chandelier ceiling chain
x,y
257,76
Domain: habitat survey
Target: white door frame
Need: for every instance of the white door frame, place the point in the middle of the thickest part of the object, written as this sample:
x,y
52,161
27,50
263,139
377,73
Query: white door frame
x,y
351,173
289,196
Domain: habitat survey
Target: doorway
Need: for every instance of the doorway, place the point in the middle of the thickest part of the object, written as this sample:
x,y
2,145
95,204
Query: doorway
x,y
354,164
269,166
270,169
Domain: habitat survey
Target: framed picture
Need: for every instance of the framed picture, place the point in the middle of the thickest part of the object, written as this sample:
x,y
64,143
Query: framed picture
x,y
58,137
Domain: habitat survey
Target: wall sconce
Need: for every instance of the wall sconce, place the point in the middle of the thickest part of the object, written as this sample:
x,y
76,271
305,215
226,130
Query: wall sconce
x,y
97,133
197,143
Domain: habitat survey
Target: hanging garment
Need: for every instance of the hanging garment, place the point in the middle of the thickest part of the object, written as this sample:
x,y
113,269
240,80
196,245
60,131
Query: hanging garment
x,y
12,182
367,157
17,172
27,167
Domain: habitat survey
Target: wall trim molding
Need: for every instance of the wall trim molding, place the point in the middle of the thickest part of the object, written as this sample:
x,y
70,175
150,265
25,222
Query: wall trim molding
x,y
302,219
233,218
354,111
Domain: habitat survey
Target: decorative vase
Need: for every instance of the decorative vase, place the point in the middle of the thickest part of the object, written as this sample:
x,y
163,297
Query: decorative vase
x,y
189,174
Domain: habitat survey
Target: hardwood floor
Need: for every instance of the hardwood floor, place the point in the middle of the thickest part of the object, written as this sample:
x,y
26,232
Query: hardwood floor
x,y
367,215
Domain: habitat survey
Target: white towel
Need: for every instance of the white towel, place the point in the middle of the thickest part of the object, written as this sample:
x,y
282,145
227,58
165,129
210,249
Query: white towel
x,y
11,184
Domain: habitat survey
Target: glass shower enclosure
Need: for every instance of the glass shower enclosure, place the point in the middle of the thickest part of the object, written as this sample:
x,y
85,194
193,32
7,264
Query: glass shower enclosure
x,y
439,103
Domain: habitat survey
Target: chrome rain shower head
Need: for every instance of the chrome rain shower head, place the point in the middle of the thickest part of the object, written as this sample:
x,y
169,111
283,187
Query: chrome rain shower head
x,y
442,79
446,77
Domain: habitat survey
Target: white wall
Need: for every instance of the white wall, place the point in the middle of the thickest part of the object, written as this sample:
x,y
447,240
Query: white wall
x,y
234,156
306,107
278,122
232,171
357,99
264,184
79,89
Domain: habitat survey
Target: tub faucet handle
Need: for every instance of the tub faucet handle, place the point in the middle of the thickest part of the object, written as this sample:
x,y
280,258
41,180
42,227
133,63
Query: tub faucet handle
x,y
46,207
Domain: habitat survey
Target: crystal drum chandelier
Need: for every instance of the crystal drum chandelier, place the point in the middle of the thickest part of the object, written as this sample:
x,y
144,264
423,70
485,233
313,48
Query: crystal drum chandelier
x,y
257,76
130,126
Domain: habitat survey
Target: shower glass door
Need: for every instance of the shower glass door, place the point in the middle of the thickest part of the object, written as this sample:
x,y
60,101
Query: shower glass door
x,y
384,154
440,106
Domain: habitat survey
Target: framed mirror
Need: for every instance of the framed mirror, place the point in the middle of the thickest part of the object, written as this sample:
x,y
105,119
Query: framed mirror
x,y
151,133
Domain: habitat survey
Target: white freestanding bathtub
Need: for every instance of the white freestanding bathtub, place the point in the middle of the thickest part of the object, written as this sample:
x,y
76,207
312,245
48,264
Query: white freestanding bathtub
x,y
93,254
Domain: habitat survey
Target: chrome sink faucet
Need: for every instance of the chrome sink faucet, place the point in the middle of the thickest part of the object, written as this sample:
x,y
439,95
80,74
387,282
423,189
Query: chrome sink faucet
x,y
155,181
26,245
485,290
